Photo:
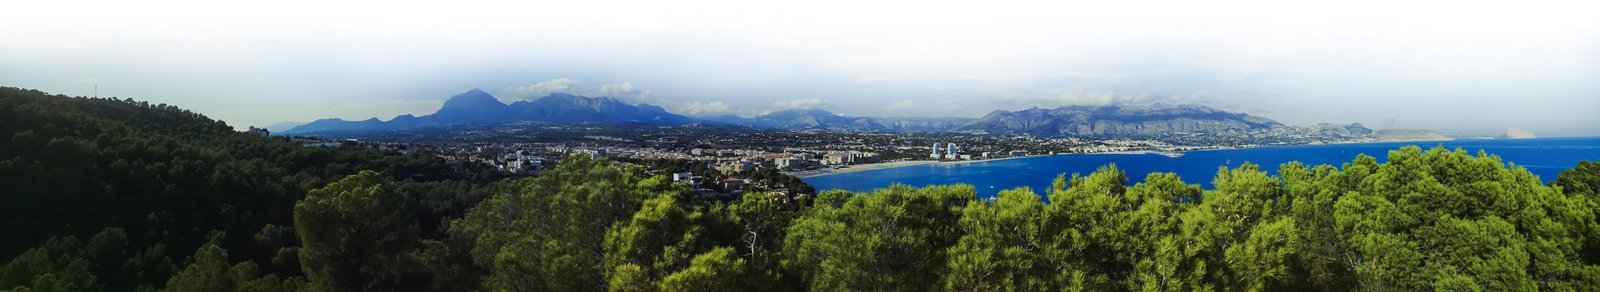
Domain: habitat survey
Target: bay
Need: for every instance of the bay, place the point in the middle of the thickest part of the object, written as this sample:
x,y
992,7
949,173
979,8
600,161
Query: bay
x,y
1544,157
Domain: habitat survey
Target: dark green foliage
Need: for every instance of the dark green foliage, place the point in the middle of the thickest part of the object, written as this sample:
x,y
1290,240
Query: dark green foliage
x,y
890,239
714,271
354,233
548,232
1581,179
162,178
209,271
61,264
1002,248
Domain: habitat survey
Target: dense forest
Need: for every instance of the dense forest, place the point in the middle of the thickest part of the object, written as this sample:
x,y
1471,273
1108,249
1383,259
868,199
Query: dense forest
x,y
118,195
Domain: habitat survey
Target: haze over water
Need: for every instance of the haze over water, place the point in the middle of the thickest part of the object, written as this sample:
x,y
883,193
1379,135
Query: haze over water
x,y
1544,157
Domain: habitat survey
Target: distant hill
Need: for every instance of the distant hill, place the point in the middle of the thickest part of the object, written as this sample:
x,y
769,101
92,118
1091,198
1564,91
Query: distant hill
x,y
1355,130
923,124
820,119
478,107
1115,121
1409,135
1514,133
814,119
283,126
567,108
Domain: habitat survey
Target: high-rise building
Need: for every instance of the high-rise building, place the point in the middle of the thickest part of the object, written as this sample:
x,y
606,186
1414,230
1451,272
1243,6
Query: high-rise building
x,y
952,151
935,154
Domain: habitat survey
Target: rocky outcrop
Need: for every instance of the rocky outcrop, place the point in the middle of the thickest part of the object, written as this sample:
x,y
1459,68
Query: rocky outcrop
x,y
1515,133
1355,130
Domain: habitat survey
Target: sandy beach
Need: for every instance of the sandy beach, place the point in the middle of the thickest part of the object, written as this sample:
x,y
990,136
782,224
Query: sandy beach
x,y
859,167
893,164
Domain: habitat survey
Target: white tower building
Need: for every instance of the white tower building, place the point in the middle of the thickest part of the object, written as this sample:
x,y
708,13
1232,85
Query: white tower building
x,y
935,154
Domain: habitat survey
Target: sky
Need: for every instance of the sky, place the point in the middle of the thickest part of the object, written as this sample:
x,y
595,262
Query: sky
x,y
1462,67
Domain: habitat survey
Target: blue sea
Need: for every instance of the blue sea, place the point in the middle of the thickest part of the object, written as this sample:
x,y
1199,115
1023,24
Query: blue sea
x,y
1544,157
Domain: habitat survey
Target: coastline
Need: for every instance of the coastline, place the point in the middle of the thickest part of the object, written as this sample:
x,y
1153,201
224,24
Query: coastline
x,y
859,167
893,164
1172,154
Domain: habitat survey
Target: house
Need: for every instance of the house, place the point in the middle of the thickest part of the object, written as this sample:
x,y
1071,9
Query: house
x,y
734,167
780,195
259,132
687,178
733,184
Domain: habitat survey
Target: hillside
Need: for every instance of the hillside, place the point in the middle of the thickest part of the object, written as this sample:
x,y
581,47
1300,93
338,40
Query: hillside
x,y
1115,121
1355,130
923,124
819,119
814,119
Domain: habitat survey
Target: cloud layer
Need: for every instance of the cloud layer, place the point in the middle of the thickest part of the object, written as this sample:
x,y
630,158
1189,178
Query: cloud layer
x,y
698,108
808,103
1529,66
1096,98
571,86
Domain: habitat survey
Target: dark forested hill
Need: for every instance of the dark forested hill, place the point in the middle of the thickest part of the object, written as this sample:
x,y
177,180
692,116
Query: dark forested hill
x,y
155,183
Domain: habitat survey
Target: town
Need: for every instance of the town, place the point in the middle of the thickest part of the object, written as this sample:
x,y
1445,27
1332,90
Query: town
x,y
723,159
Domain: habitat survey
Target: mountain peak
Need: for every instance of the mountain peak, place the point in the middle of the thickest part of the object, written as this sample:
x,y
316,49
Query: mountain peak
x,y
472,105
573,101
478,107
474,96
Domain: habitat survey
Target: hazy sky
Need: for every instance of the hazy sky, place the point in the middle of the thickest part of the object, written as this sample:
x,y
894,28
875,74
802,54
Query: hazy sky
x,y
1458,66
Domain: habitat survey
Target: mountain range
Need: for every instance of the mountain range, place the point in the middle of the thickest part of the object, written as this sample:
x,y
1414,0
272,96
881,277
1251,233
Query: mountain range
x,y
476,107
823,120
1115,121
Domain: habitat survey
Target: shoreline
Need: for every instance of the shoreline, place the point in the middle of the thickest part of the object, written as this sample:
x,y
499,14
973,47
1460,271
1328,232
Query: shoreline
x,y
898,164
893,164
1171,154
859,167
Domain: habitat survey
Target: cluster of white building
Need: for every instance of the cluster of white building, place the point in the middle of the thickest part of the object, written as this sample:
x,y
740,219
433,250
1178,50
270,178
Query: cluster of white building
x,y
734,161
951,152
850,157
516,162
